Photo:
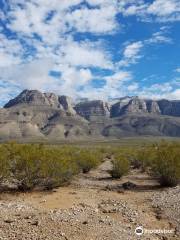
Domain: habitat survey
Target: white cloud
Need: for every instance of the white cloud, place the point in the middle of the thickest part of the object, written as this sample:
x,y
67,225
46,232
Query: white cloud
x,y
158,10
85,54
132,50
72,79
50,28
118,77
164,8
34,75
159,37
98,21
133,87
174,94
10,51
165,90
177,70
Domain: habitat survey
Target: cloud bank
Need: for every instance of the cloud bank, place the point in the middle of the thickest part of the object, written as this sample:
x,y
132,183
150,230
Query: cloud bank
x,y
64,46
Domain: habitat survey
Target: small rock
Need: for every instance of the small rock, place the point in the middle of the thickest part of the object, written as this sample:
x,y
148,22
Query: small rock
x,y
35,223
85,222
129,185
9,220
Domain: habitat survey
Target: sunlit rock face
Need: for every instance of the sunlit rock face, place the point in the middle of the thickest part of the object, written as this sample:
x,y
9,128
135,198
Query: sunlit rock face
x,y
91,109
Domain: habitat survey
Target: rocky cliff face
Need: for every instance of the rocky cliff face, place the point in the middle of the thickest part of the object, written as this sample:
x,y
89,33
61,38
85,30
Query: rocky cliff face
x,y
132,105
141,106
67,104
36,115
171,108
91,109
34,97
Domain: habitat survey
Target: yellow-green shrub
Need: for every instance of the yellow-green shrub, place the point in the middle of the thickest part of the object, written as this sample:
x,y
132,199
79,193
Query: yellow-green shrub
x,y
166,164
144,157
87,159
26,165
57,168
4,164
34,165
120,167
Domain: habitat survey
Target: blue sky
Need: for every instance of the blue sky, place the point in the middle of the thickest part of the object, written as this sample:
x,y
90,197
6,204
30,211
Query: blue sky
x,y
97,49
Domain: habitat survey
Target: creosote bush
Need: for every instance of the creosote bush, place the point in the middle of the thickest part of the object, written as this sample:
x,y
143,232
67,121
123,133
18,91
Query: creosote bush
x,y
4,164
44,166
88,160
166,164
143,158
163,161
121,166
37,165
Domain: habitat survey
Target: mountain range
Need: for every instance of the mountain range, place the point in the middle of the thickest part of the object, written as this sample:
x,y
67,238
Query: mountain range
x,y
34,115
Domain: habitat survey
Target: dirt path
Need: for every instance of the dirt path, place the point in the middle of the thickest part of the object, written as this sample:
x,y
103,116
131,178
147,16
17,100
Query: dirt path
x,y
94,207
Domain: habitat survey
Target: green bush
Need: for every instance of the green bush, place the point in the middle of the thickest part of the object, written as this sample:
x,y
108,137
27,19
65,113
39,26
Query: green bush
x,y
143,157
4,164
25,165
120,167
34,165
166,164
57,169
88,159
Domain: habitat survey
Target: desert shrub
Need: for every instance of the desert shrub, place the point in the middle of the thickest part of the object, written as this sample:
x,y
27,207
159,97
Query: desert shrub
x,y
57,169
143,157
87,159
166,164
34,165
26,166
120,167
4,164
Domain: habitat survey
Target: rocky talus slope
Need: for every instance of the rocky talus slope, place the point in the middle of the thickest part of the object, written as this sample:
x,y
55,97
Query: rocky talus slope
x,y
33,115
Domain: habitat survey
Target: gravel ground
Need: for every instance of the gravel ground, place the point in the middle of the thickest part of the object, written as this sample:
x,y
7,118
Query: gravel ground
x,y
91,213
167,204
20,221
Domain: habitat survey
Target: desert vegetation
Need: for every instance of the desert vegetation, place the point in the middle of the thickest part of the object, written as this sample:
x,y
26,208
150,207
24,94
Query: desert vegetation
x,y
37,165
161,160
121,166
47,166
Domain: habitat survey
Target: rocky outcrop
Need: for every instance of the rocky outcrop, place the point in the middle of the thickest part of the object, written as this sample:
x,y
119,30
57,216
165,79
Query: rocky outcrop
x,y
66,103
91,109
134,105
34,97
152,107
171,108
